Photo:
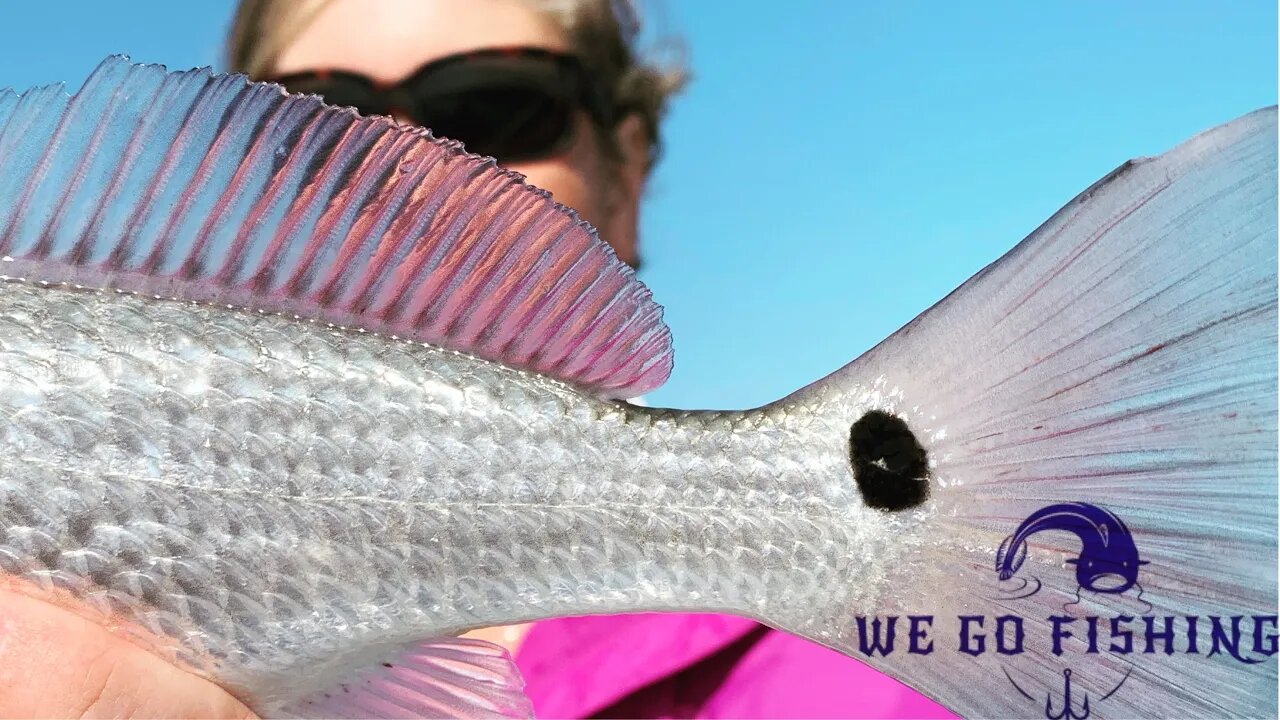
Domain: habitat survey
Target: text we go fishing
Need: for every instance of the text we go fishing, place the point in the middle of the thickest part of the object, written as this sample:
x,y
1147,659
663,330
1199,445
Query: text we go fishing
x,y
1246,638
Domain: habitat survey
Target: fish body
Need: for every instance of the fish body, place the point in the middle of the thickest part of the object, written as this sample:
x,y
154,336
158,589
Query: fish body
x,y
310,498
291,397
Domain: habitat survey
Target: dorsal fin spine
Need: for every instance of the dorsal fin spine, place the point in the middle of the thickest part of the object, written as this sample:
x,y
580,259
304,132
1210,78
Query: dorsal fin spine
x,y
116,122
13,229
377,290
76,182
414,285
250,139
82,251
591,332
186,189
558,322
298,222
653,366
473,265
443,274
33,107
550,315
119,254
238,259
332,255
486,293
606,326
308,218
559,270
38,220
352,255
283,248
620,335
509,325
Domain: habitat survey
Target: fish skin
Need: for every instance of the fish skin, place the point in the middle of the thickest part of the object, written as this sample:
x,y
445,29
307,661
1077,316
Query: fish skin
x,y
282,501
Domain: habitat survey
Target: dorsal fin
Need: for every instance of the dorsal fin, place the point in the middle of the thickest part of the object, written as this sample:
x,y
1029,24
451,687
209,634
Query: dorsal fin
x,y
208,187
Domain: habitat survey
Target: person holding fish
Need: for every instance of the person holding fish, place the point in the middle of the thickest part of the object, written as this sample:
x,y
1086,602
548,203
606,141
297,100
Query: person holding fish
x,y
295,397
555,91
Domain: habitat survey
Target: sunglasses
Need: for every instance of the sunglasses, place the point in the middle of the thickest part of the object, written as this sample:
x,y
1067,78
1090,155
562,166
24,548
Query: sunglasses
x,y
511,104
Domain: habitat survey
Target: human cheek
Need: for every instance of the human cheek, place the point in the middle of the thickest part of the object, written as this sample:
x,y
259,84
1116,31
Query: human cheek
x,y
568,185
573,176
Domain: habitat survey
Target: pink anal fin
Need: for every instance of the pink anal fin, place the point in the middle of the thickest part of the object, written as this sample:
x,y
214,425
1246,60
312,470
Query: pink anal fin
x,y
444,678
207,187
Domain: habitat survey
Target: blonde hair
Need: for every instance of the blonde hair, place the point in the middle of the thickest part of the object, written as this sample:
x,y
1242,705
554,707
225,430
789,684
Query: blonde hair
x,y
602,33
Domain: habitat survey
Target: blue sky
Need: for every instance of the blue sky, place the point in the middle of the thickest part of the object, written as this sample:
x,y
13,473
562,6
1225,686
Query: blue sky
x,y
835,167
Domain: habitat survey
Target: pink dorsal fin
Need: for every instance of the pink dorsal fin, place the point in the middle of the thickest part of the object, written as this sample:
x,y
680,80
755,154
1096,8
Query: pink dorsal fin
x,y
208,187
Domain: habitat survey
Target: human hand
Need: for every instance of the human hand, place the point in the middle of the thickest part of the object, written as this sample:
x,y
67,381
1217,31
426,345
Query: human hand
x,y
54,663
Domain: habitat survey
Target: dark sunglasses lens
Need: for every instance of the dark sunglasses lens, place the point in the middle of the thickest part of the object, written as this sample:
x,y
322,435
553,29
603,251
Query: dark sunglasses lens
x,y
507,122
509,107
340,91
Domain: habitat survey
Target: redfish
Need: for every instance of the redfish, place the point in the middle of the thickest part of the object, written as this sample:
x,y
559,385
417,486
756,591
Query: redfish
x,y
292,397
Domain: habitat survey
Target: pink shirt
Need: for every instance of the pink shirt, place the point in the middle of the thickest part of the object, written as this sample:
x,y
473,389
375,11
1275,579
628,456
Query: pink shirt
x,y
700,666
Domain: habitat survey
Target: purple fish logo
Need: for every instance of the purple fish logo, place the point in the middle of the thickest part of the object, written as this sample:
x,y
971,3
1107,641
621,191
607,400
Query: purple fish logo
x,y
1108,561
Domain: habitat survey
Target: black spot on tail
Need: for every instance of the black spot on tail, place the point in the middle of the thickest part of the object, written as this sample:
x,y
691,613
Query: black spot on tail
x,y
890,466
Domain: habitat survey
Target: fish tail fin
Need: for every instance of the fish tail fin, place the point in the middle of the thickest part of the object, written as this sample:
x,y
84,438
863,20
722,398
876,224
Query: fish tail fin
x,y
1121,358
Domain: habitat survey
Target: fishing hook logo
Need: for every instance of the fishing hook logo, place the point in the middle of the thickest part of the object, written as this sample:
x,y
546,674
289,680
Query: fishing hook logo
x,y
1067,711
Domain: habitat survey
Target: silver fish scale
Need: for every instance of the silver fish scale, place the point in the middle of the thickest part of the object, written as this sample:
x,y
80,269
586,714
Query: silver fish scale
x,y
286,500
